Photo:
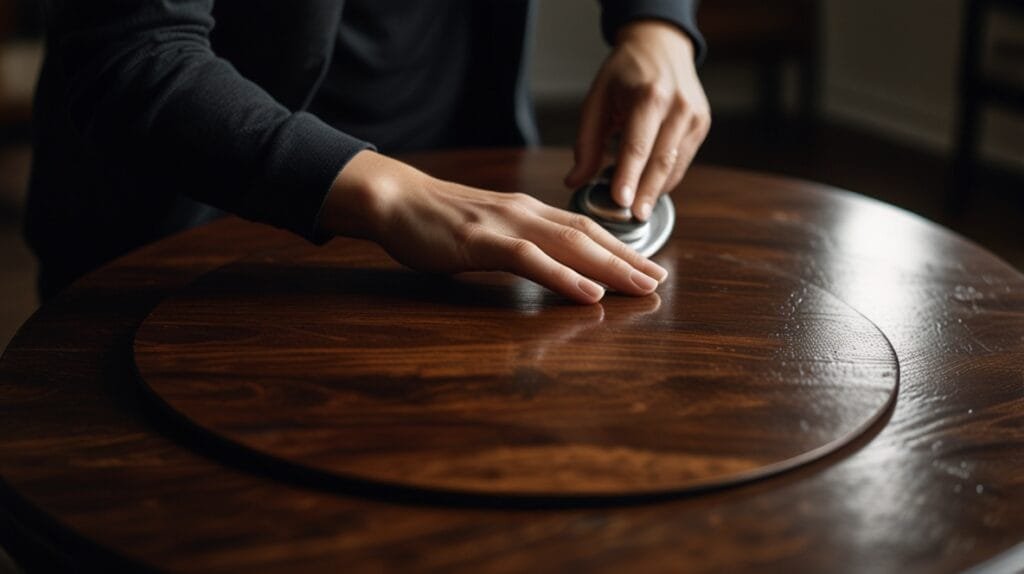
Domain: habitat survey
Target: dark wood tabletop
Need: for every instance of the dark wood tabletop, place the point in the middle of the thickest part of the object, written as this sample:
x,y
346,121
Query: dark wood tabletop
x,y
825,383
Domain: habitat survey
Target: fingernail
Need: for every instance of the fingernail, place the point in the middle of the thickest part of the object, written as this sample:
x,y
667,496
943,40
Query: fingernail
x,y
626,192
590,289
660,273
643,211
644,282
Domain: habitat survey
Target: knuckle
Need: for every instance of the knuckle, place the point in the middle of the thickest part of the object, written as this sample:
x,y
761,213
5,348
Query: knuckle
x,y
520,252
472,216
704,124
517,205
583,223
508,210
614,262
564,276
676,176
666,161
635,147
467,238
571,236
681,164
657,93
520,198
702,120
467,233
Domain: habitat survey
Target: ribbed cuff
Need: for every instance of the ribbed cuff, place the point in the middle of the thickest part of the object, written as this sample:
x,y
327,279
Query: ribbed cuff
x,y
682,13
308,155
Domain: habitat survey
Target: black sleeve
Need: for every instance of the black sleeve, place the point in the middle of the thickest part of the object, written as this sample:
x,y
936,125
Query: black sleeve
x,y
682,13
145,88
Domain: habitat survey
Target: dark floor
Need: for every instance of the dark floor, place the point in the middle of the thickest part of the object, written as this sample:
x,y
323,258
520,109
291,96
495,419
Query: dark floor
x,y
839,156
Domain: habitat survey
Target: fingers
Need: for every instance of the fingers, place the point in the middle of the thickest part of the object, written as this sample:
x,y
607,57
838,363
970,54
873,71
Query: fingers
x,y
679,170
578,250
638,137
661,165
565,252
590,139
491,250
608,241
652,97
699,125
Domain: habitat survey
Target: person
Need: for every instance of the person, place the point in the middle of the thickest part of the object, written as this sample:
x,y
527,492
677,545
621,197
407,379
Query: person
x,y
152,116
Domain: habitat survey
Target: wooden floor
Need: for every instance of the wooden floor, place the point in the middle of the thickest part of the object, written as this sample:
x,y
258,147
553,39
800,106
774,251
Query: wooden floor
x,y
835,155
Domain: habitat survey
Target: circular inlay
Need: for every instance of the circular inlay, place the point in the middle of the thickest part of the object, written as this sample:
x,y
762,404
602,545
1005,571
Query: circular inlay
x,y
340,361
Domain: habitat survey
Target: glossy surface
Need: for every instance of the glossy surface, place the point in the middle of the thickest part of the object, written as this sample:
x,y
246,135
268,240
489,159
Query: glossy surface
x,y
338,360
938,486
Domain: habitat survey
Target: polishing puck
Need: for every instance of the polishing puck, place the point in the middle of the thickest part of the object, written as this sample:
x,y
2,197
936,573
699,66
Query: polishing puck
x,y
646,237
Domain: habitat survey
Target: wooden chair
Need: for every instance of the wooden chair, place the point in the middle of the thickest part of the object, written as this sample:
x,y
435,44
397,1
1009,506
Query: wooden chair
x,y
980,88
770,34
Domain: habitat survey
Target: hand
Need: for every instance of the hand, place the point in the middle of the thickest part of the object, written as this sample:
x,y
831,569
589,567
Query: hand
x,y
648,93
438,226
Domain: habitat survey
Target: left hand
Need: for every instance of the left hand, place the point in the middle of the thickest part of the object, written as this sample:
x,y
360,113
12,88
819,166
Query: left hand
x,y
647,92
443,227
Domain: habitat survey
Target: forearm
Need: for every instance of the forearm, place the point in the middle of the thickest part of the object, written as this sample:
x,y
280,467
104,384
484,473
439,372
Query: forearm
x,y
151,98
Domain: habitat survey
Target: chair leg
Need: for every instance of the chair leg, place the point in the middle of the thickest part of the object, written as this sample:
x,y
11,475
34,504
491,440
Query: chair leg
x,y
770,104
966,154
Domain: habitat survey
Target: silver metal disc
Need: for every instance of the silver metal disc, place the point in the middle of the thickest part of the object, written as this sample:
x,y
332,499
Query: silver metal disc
x,y
646,237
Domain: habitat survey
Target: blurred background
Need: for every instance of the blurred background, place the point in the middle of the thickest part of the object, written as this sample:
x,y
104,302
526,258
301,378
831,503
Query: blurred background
x,y
919,103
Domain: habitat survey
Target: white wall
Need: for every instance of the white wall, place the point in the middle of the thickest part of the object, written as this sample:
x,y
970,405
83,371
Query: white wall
x,y
890,66
568,49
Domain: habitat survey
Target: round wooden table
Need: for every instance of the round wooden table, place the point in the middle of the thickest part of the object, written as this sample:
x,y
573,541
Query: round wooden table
x,y
825,383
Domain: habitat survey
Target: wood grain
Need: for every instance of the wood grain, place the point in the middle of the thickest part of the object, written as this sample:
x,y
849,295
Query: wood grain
x,y
339,361
938,488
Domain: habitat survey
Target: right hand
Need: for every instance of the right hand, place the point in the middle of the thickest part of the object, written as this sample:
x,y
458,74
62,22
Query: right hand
x,y
438,226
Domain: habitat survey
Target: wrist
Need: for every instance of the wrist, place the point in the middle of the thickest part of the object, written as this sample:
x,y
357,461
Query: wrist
x,y
651,29
361,197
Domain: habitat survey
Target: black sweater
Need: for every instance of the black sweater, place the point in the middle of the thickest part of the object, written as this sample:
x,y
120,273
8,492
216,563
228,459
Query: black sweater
x,y
147,112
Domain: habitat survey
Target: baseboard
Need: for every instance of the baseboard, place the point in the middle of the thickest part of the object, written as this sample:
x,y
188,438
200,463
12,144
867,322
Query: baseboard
x,y
929,126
